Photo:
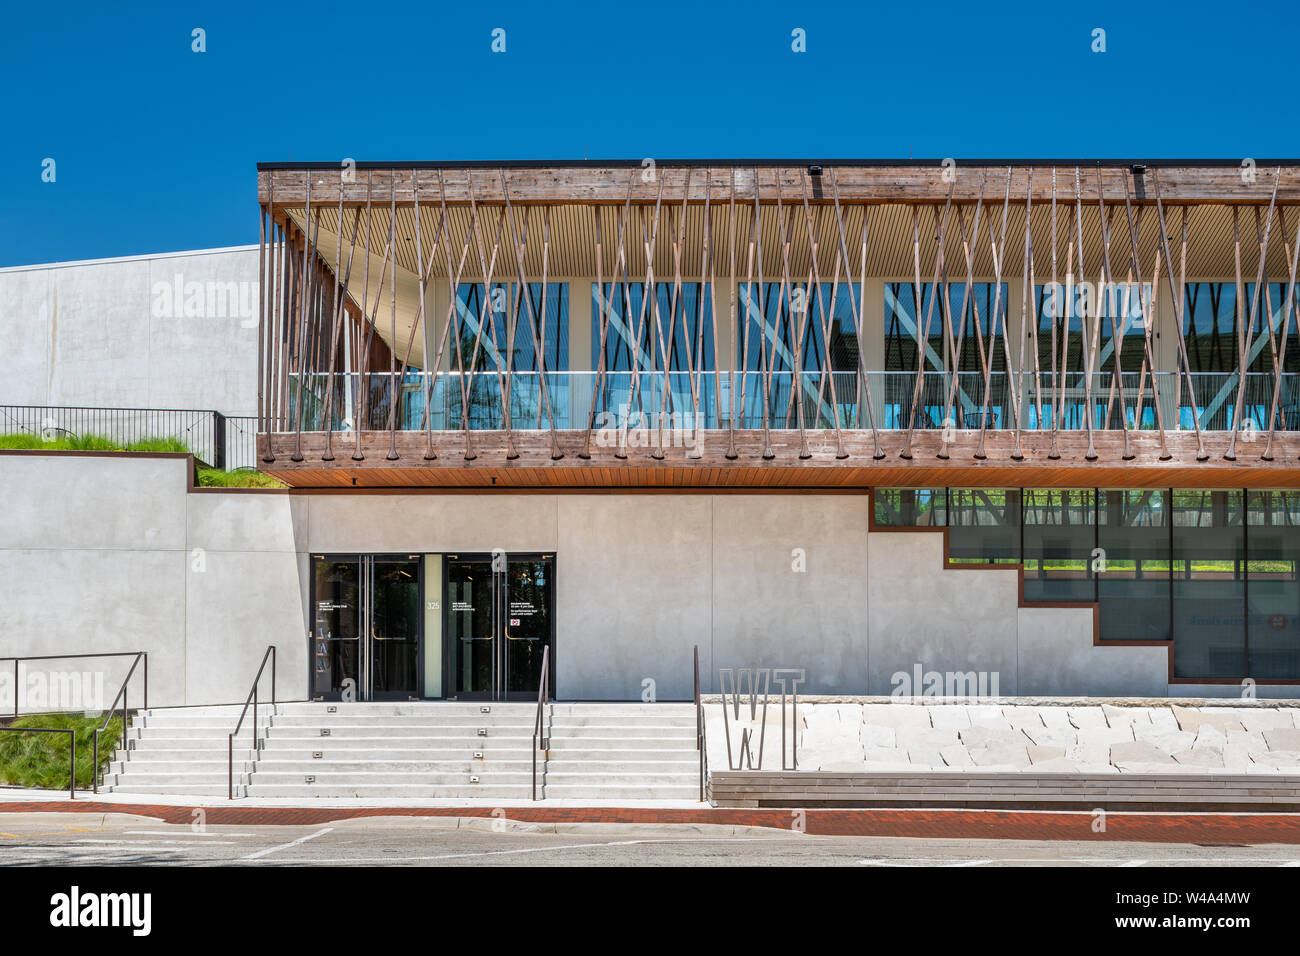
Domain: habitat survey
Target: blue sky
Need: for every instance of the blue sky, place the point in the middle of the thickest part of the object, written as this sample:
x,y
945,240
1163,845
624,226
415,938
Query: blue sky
x,y
155,144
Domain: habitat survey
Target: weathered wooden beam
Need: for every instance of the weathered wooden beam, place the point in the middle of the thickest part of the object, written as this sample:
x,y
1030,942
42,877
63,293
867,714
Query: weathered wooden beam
x,y
908,184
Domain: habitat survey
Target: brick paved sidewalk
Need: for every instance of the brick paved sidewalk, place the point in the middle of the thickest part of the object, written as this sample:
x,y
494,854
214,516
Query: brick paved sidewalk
x,y
1206,829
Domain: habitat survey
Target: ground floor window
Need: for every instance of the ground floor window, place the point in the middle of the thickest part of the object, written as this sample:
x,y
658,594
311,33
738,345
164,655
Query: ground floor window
x,y
1215,571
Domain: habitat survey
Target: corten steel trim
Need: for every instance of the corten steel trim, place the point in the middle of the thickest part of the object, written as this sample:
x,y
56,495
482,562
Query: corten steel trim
x,y
1019,568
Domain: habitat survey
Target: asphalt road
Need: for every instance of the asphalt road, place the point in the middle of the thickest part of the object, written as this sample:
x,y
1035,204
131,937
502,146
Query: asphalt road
x,y
82,840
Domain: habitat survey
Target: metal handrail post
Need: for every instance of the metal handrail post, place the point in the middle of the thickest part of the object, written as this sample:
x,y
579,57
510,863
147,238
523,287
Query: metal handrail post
x,y
543,694
251,699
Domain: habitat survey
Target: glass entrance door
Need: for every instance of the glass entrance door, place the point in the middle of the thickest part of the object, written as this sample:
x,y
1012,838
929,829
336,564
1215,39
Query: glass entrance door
x,y
336,627
366,629
499,621
394,609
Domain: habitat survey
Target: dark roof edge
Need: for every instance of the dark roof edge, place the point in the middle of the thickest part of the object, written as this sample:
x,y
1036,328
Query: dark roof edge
x,y
636,163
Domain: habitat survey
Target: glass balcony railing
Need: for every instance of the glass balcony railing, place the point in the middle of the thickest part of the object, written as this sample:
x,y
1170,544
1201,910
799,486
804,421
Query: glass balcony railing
x,y
418,400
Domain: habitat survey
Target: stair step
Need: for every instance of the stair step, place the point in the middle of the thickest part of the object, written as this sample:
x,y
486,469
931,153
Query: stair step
x,y
415,751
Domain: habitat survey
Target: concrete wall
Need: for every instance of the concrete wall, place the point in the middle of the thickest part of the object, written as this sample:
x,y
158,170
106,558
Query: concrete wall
x,y
115,332
103,553
111,554
762,580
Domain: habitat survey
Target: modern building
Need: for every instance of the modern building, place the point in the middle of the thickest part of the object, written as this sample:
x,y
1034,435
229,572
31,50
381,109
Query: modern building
x,y
1029,424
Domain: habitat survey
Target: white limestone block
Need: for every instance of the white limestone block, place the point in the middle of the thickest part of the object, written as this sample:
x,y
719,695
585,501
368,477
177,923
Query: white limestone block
x,y
1105,735
1052,737
924,738
1022,717
987,715
1251,740
1039,754
1280,738
1138,751
1166,740
1055,718
1087,718
1000,755
896,715
1200,757
1125,716
1097,755
1236,758
875,755
874,735
1281,759
950,716
1191,718
1207,736
1163,718
925,757
830,719
990,736
1264,718
955,755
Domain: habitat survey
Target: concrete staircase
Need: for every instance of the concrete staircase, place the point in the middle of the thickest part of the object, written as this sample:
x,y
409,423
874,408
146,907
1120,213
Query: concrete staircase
x,y
414,750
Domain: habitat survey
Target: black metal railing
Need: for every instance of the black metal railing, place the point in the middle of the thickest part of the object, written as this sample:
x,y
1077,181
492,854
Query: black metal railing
x,y
701,742
222,441
252,699
122,695
543,696
72,744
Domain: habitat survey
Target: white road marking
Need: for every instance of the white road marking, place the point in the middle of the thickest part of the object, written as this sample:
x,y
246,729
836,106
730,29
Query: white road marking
x,y
542,849
143,844
181,833
284,846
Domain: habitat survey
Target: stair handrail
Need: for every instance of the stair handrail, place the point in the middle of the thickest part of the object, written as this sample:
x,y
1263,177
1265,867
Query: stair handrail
x,y
67,657
543,696
251,699
121,695
701,739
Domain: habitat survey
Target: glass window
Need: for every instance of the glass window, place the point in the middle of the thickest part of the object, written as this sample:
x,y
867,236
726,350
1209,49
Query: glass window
x,y
1060,533
984,525
1133,535
635,335
1209,586
510,331
911,507
1273,585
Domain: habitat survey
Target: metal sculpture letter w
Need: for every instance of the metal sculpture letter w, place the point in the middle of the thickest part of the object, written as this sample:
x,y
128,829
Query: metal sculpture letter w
x,y
755,682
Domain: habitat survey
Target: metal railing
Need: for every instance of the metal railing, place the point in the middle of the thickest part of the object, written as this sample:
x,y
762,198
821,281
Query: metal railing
x,y
543,696
122,696
69,657
701,741
253,700
222,441
1070,401
72,743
